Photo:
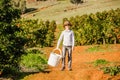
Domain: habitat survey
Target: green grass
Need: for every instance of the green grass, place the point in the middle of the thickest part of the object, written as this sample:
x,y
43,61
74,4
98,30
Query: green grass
x,y
100,48
112,70
94,49
100,62
57,12
107,67
33,61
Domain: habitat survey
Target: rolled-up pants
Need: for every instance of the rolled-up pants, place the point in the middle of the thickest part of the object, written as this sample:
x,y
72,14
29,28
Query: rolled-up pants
x,y
67,49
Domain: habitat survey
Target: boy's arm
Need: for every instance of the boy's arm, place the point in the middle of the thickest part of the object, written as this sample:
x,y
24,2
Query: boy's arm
x,y
73,41
59,40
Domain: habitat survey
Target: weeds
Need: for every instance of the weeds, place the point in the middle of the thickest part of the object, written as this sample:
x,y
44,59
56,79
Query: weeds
x,y
112,70
33,61
95,49
100,48
100,62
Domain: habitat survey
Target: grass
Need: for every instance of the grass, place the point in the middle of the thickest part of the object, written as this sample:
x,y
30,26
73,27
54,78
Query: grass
x,y
100,48
100,62
63,9
33,61
112,70
107,67
94,49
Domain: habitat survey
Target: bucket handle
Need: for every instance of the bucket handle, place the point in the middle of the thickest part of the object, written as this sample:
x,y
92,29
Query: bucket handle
x,y
57,49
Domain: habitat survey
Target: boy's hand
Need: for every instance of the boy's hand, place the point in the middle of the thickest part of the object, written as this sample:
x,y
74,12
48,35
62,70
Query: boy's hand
x,y
73,48
56,48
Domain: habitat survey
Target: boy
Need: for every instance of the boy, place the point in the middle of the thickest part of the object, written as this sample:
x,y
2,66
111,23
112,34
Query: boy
x,y
68,44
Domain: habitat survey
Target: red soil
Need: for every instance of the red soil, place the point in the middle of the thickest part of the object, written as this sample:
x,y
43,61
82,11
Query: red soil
x,y
82,68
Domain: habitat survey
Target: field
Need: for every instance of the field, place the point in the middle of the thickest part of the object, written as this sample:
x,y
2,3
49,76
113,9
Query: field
x,y
83,66
24,42
84,57
52,10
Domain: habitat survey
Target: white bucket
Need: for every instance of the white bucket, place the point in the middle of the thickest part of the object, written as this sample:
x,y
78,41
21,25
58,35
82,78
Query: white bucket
x,y
54,58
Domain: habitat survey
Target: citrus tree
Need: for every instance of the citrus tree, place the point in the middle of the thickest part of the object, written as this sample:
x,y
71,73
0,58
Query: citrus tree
x,y
19,4
99,28
11,44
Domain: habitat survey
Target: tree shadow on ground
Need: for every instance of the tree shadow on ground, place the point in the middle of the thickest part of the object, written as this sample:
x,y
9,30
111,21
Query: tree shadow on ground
x,y
30,10
19,75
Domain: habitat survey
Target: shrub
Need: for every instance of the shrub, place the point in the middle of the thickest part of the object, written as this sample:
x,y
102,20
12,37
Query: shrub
x,y
34,60
112,70
100,62
19,4
11,44
38,33
99,28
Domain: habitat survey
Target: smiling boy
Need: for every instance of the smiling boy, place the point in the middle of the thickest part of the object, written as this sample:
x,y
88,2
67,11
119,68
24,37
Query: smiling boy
x,y
68,44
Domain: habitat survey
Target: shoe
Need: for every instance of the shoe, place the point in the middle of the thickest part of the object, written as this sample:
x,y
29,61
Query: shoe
x,y
62,69
70,69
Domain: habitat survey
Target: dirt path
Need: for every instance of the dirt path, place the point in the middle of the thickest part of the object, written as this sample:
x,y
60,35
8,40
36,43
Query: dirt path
x,y
82,67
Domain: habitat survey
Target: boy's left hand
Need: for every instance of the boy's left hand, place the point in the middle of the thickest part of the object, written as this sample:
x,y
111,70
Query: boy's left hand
x,y
72,48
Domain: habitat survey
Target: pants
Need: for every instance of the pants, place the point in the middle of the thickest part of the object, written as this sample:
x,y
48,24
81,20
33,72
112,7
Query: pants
x,y
64,51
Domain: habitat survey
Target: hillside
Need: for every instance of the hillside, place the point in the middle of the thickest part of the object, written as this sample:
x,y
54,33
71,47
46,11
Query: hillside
x,y
57,10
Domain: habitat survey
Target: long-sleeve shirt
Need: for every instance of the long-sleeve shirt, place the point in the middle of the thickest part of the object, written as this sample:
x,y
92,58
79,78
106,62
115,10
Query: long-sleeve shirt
x,y
68,38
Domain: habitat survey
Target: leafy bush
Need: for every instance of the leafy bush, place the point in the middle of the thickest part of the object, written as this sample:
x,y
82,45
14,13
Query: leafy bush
x,y
99,28
112,70
17,35
100,62
38,33
10,71
11,44
19,4
34,60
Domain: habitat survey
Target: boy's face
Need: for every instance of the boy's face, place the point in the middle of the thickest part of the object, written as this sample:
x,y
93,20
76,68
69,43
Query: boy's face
x,y
67,27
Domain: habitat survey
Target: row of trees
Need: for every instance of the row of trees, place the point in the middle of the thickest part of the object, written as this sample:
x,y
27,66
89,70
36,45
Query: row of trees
x,y
38,33
17,34
100,28
11,47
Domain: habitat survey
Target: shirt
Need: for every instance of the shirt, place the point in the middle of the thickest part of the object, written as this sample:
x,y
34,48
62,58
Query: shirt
x,y
68,38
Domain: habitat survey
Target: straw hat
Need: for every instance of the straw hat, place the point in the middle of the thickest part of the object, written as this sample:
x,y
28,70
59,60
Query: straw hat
x,y
67,23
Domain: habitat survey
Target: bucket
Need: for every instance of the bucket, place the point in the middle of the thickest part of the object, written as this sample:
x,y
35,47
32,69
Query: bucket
x,y
54,58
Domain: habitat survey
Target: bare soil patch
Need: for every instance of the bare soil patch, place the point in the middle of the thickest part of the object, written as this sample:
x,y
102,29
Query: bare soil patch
x,y
82,67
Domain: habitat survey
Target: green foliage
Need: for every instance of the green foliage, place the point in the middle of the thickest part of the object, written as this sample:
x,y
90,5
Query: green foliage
x,y
7,12
19,4
50,37
34,60
100,62
98,48
112,70
10,70
38,33
99,28
11,44
94,49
